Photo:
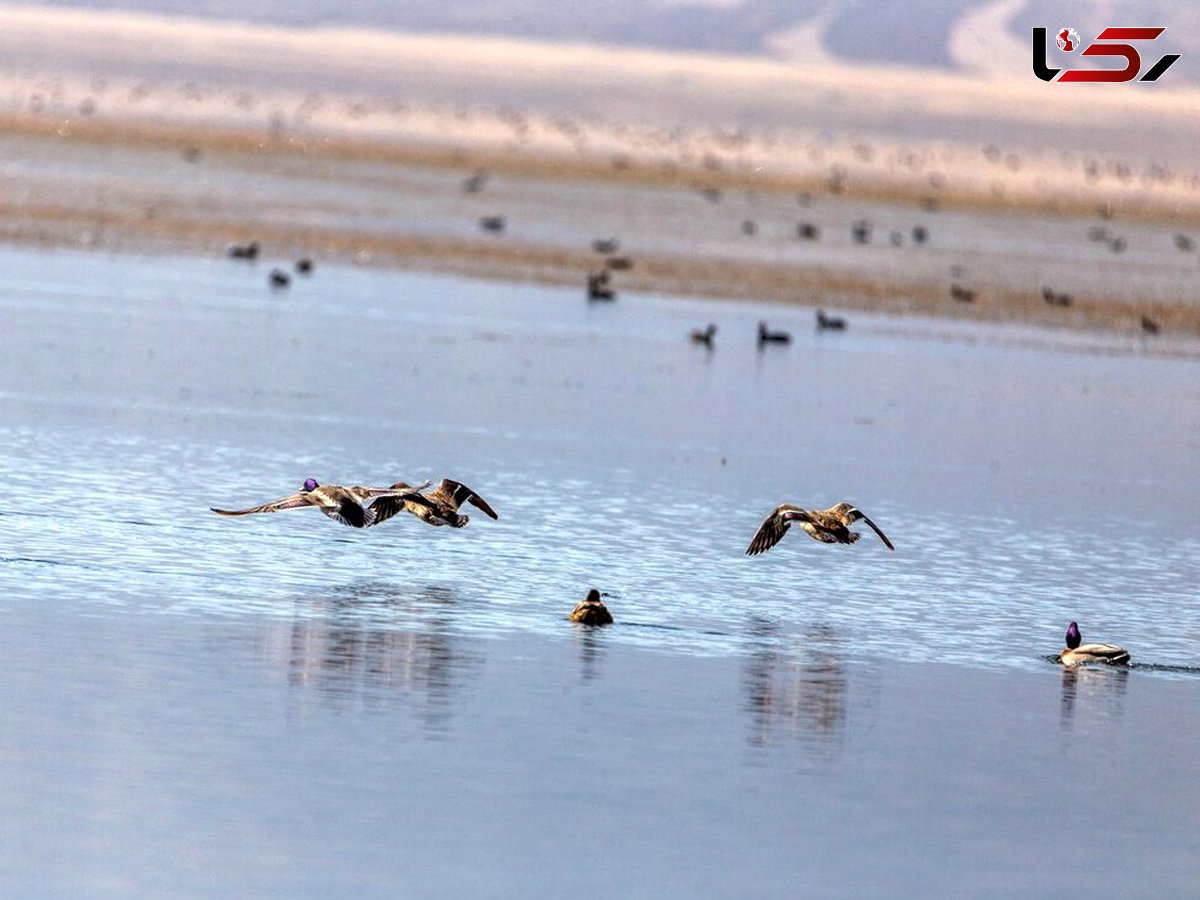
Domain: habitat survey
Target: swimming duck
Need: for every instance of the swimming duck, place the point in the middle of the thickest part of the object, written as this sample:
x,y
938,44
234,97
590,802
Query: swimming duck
x,y
766,336
704,335
828,322
437,507
829,526
341,503
591,610
1078,652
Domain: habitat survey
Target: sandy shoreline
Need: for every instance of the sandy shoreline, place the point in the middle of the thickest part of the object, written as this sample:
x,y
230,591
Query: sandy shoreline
x,y
146,138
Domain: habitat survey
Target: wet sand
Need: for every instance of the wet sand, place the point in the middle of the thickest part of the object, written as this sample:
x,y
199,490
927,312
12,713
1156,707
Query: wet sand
x,y
127,132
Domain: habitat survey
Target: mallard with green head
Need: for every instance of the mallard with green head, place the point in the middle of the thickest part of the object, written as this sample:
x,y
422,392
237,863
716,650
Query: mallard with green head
x,y
342,503
1077,652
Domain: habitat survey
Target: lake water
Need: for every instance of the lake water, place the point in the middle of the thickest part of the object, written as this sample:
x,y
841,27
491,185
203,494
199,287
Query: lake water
x,y
279,705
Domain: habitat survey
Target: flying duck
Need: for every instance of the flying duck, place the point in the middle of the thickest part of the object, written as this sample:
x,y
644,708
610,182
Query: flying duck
x,y
345,504
829,526
1078,652
438,506
591,610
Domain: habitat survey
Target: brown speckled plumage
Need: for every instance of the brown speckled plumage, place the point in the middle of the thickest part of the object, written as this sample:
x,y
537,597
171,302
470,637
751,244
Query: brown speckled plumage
x,y
829,526
591,610
437,506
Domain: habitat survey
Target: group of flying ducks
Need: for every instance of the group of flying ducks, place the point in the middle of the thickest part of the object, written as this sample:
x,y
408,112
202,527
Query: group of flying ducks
x,y
438,505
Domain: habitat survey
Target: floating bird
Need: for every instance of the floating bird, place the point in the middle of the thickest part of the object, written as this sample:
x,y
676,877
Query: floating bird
x,y
1055,298
304,265
341,503
1078,652
808,231
766,336
920,234
1149,325
492,223
1184,242
829,526
243,251
749,227
962,294
598,287
591,610
704,335
438,506
474,184
831,323
606,245
279,278
861,231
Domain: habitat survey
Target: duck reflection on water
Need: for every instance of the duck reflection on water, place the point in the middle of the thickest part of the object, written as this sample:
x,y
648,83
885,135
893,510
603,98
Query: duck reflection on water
x,y
806,694
373,643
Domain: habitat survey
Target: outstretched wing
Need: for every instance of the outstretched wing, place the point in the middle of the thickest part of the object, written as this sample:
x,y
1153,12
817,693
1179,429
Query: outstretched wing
x,y
882,536
459,493
771,531
400,496
295,501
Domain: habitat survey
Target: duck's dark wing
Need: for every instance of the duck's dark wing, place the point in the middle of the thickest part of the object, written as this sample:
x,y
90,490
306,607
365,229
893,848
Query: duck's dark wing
x,y
458,494
383,508
295,501
882,536
348,511
771,531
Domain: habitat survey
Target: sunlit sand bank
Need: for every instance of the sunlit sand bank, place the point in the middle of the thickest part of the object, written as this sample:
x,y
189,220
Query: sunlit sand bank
x,y
125,131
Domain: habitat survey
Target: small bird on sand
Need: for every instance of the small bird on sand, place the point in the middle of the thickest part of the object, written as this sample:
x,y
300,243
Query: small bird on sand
x,y
1077,652
591,610
766,336
344,504
829,526
438,506
704,335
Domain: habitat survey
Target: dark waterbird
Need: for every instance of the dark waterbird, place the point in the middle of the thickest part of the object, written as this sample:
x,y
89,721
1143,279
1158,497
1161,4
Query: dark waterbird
x,y
1149,325
591,610
599,287
962,294
1055,298
829,526
704,335
304,265
829,323
242,251
344,504
279,278
766,336
1078,652
437,506
494,224
606,245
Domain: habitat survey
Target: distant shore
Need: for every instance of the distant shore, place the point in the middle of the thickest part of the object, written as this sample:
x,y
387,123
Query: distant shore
x,y
177,147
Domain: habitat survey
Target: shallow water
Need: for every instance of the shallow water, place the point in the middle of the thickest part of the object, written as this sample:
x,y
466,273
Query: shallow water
x,y
307,707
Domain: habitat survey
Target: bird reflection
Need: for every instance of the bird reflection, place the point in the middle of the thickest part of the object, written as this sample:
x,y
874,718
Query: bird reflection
x,y
371,643
1100,689
590,644
806,696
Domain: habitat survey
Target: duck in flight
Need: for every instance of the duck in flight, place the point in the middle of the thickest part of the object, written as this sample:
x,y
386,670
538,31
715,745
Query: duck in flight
x,y
829,526
438,506
344,504
1078,652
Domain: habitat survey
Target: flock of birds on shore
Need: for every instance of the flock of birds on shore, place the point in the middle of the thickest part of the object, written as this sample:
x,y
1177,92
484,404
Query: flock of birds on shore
x,y
438,505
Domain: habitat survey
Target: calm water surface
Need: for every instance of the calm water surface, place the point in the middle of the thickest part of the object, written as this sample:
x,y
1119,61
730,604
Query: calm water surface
x,y
278,704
